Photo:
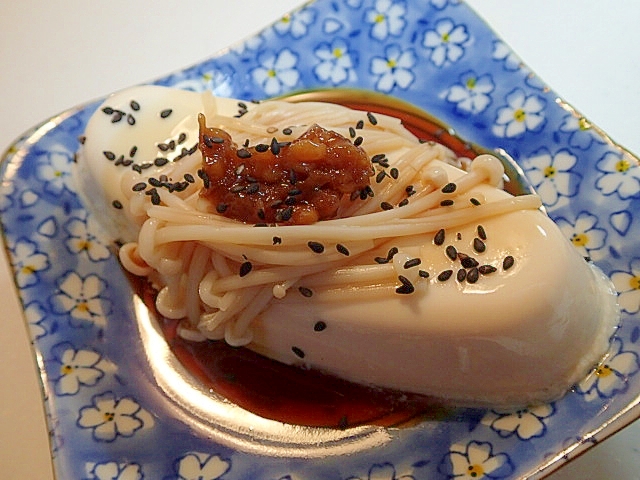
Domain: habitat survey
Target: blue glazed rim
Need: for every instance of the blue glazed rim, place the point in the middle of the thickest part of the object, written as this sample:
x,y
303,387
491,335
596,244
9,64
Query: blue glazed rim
x,y
438,55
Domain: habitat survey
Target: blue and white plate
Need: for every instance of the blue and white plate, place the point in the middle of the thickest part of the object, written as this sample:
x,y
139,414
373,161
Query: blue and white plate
x,y
108,413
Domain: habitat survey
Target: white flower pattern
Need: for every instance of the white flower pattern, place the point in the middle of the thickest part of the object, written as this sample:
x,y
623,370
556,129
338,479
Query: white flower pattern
x,y
276,72
35,315
114,471
109,417
627,283
76,368
386,18
54,170
84,239
446,43
583,234
82,298
581,132
524,423
394,69
620,174
201,466
295,24
475,460
612,375
28,262
336,64
471,94
522,113
551,175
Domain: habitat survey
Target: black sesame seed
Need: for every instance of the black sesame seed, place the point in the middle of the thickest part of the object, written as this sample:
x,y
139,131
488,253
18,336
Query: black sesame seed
x,y
376,158
154,182
305,292
406,287
451,252
445,275
261,147
459,236
404,203
461,275
293,192
155,196
392,252
486,269
276,240
120,160
132,152
508,262
182,137
481,232
449,188
446,203
110,155
478,245
410,191
221,207
82,139
286,214
394,173
117,204
368,191
165,113
352,132
360,125
381,260
275,146
298,352
467,261
473,275
117,116
243,153
372,118
139,187
380,176
342,249
246,143
107,110
439,237
189,178
287,131
163,147
253,188
218,140
358,141
319,326
316,247
423,274
131,119
474,201
386,206
134,105
245,268
237,188
414,262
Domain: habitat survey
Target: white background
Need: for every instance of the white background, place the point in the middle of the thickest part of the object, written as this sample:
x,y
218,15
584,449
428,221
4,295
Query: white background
x,y
54,55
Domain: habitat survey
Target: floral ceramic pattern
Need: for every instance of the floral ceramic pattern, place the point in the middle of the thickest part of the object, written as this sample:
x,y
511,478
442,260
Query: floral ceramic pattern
x,y
108,417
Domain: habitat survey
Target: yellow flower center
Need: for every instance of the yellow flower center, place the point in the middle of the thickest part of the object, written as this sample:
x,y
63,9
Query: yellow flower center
x,y
445,38
549,171
391,63
337,52
271,73
634,283
471,83
84,245
604,371
28,269
108,416
66,369
622,166
57,173
475,471
286,19
583,124
379,18
83,307
580,239
207,77
519,115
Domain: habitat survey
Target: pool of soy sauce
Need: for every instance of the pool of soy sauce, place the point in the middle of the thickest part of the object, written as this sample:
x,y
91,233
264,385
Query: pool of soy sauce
x,y
290,394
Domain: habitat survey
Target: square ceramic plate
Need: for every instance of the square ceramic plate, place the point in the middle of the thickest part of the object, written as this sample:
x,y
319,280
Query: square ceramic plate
x,y
94,342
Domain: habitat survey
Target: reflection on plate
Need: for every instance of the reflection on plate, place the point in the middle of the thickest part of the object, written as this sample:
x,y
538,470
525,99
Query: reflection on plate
x,y
107,414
